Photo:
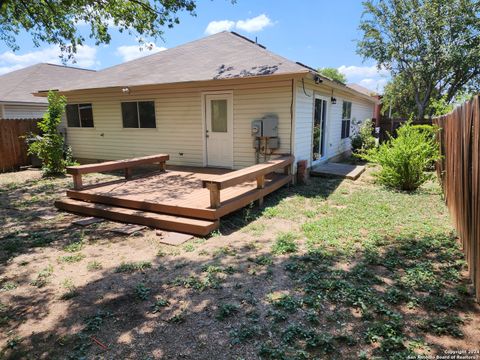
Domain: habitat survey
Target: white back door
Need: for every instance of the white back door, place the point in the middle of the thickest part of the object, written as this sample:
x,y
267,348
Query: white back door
x,y
219,130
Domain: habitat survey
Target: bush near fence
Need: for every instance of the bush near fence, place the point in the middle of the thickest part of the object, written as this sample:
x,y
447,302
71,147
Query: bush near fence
x,y
390,126
459,172
13,149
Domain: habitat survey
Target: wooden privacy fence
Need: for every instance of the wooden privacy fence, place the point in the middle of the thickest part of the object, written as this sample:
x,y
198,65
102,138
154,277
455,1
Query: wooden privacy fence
x,y
390,126
13,149
459,171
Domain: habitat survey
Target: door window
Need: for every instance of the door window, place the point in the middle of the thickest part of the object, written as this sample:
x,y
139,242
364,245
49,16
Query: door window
x,y
219,115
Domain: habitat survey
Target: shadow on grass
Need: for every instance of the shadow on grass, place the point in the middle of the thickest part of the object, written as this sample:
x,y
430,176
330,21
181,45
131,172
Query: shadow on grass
x,y
408,294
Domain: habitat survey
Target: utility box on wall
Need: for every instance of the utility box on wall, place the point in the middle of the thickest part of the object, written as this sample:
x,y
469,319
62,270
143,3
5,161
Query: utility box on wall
x,y
270,126
265,133
265,127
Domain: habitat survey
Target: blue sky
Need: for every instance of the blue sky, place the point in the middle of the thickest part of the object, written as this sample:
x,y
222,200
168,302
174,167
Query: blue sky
x,y
319,33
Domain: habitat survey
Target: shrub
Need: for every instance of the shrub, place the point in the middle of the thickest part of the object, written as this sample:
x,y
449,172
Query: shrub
x,y
50,146
363,140
405,158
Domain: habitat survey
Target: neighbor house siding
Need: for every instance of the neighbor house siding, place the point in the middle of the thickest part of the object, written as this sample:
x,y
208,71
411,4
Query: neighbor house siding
x,y
179,120
306,91
24,111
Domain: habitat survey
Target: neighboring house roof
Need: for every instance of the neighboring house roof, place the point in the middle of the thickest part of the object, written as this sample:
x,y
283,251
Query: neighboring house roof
x,y
362,89
18,86
220,56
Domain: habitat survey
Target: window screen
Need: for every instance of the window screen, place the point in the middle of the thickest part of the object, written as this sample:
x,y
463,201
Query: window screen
x,y
79,115
138,114
73,118
129,114
346,117
86,115
146,110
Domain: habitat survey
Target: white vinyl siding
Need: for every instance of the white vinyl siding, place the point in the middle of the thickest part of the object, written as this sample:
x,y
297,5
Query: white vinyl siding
x,y
179,128
361,110
24,111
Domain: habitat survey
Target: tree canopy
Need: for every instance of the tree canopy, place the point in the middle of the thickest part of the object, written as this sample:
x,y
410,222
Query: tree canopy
x,y
433,45
333,74
56,21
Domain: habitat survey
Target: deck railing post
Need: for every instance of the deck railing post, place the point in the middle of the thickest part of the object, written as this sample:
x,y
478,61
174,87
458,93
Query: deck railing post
x,y
162,166
77,182
260,185
214,195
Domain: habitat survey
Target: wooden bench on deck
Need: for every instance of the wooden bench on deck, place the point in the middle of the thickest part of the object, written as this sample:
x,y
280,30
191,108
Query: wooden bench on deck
x,y
257,172
127,165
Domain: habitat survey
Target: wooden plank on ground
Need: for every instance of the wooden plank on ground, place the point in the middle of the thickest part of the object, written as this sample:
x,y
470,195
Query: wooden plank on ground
x,y
173,238
128,229
88,221
346,171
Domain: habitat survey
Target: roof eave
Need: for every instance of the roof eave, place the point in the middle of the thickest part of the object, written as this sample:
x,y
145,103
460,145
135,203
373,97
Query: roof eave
x,y
340,86
297,74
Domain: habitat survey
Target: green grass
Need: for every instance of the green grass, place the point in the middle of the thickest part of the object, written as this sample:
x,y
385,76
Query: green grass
x,y
74,246
133,266
226,311
160,304
71,289
8,286
71,258
94,265
142,292
43,277
285,243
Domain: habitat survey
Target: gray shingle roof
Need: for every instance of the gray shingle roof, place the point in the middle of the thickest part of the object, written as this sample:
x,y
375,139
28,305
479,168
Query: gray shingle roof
x,y
219,56
361,89
18,86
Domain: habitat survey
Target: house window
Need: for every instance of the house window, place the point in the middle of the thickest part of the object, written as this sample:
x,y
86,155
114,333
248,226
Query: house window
x,y
79,115
138,114
346,117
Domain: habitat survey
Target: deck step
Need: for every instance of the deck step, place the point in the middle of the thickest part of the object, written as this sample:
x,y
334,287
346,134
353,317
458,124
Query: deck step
x,y
155,220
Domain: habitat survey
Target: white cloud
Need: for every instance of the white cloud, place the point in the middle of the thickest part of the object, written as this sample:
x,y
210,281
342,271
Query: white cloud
x,y
86,56
255,24
214,27
374,84
367,76
363,71
131,52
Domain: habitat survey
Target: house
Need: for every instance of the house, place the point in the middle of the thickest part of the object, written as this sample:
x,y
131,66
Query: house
x,y
17,88
208,103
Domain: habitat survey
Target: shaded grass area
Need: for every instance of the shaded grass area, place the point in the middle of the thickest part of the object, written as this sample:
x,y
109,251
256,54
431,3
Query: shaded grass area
x,y
335,270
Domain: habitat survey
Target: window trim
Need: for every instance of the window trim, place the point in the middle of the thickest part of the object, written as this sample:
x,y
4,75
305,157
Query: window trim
x,y
349,120
79,117
138,115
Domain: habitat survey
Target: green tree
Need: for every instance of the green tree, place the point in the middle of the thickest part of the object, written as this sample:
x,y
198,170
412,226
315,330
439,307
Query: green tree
x,y
50,146
434,45
398,100
55,21
333,74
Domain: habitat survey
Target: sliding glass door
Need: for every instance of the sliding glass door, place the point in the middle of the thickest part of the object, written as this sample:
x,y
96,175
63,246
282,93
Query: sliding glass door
x,y
319,128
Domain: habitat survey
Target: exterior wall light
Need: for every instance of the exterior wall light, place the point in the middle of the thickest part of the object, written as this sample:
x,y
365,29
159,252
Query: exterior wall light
x,y
333,100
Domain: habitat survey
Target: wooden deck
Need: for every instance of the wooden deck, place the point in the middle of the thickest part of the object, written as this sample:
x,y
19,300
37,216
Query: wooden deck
x,y
176,198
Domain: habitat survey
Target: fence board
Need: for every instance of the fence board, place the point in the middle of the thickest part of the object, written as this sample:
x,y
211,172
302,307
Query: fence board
x,y
459,172
13,150
389,126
